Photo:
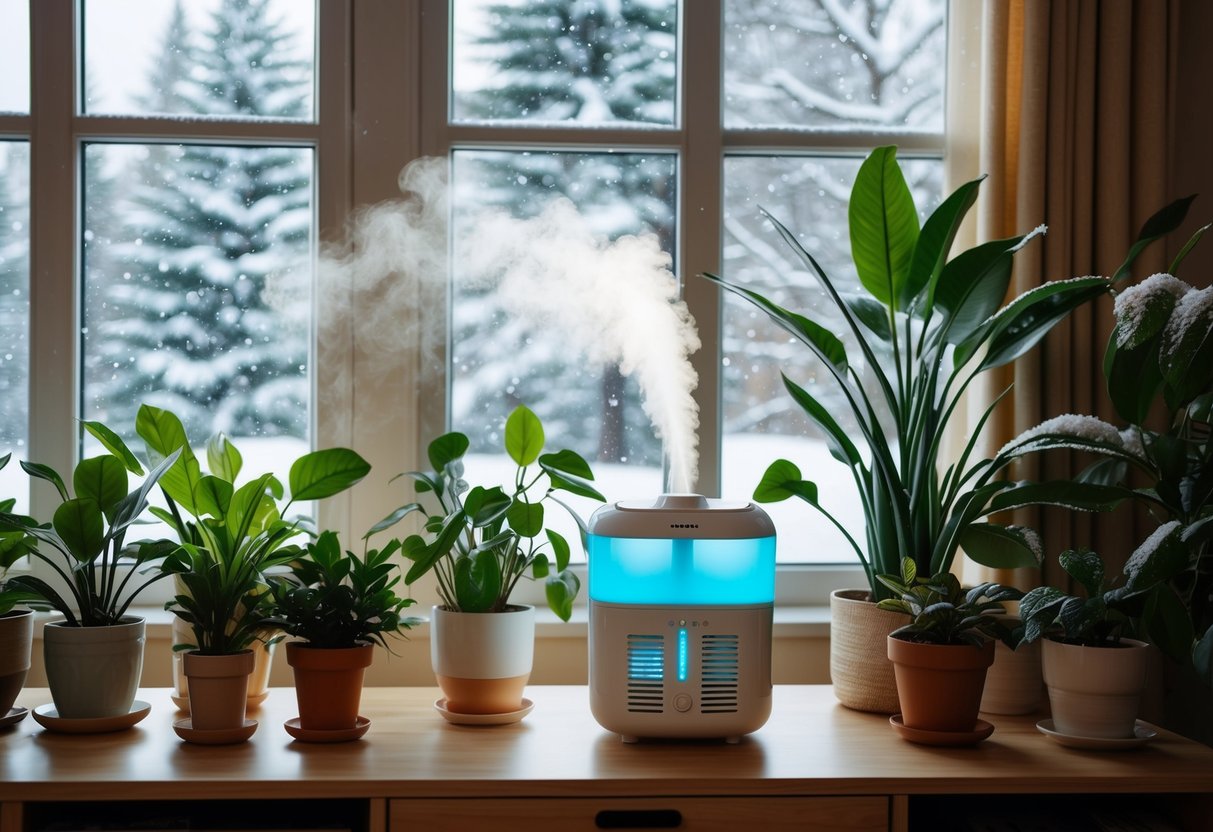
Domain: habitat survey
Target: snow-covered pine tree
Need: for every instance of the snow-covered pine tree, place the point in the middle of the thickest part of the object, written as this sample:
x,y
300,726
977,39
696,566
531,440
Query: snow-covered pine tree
x,y
187,325
588,63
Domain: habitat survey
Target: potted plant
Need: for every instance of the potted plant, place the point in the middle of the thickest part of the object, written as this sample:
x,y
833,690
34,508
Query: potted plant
x,y
341,606
16,625
940,658
94,657
1094,673
479,544
925,325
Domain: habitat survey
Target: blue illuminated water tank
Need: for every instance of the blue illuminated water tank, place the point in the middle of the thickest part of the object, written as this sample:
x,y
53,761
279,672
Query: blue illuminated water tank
x,y
682,549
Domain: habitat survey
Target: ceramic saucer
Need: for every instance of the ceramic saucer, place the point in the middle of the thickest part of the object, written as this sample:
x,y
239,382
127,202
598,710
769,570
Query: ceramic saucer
x,y
182,702
981,730
13,717
223,736
484,719
256,699
48,717
296,730
1143,732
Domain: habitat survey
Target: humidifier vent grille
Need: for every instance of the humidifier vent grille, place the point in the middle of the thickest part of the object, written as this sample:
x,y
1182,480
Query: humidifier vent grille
x,y
646,673
719,676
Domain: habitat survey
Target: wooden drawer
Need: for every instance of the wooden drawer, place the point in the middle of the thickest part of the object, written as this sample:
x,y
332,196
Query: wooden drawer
x,y
687,814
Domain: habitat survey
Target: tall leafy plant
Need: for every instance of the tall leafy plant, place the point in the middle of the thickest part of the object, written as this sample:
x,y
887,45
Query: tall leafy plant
x,y
926,325
15,543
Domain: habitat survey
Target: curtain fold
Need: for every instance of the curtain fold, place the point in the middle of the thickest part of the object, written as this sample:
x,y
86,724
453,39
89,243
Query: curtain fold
x,y
1075,108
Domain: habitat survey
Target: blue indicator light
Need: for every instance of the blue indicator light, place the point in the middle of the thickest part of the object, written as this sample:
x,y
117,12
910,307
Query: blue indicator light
x,y
683,660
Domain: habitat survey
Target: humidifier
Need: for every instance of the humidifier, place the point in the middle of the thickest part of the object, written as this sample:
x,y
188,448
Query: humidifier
x,y
682,592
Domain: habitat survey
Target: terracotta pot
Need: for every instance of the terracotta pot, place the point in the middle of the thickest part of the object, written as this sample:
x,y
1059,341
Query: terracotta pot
x,y
218,687
16,637
1095,691
859,666
93,672
259,680
328,684
1014,684
483,659
940,685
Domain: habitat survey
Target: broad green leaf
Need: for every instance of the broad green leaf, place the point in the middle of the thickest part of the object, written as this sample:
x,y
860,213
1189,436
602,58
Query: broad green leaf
x,y
781,481
162,433
45,472
540,567
523,436
1109,471
1084,566
452,526
840,445
244,507
567,462
1162,556
526,518
392,519
212,496
101,479
324,473
1163,222
883,224
113,443
81,526
1133,378
560,549
486,505
223,459
477,581
446,449
1000,547
1041,603
933,245
561,481
561,590
1186,354
972,287
1063,493
180,480
1168,623
873,314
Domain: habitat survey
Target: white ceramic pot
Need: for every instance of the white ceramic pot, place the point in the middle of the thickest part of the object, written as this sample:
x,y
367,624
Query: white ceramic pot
x,y
93,671
483,659
1095,691
16,636
1014,684
860,669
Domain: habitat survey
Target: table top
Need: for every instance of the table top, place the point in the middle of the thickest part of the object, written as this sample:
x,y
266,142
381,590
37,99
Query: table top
x,y
810,746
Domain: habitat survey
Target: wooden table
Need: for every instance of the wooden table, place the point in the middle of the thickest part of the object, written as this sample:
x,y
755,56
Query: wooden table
x,y
815,765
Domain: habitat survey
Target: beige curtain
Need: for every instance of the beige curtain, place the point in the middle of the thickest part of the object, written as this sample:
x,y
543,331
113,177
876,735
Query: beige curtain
x,y
1076,97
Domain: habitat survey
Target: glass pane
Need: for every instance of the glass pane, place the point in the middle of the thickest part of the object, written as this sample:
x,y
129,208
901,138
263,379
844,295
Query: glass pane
x,y
220,58
761,422
834,65
14,57
502,356
14,319
590,63
197,292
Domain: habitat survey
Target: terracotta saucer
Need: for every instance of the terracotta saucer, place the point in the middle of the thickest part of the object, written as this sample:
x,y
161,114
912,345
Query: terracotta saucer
x,y
484,719
223,736
296,730
1143,732
255,700
981,730
48,717
182,702
14,716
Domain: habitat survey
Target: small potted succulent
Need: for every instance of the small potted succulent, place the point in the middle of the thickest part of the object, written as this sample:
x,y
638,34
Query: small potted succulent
x,y
940,658
16,624
1094,672
341,606
94,657
479,544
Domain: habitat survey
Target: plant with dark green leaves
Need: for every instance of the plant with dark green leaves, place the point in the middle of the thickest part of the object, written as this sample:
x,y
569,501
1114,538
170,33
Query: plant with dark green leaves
x,y
232,534
15,543
1109,609
926,325
943,612
481,542
335,600
85,542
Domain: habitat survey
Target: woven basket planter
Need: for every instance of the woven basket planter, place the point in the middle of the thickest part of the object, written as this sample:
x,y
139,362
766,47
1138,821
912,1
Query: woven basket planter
x,y
860,669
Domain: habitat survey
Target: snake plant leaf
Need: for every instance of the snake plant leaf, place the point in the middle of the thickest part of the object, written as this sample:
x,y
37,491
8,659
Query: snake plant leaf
x,y
113,443
1163,222
324,473
1168,623
781,481
523,436
561,589
1084,566
525,518
101,479
45,472
223,459
81,526
477,581
1001,547
1133,377
560,549
933,245
446,449
884,226
840,445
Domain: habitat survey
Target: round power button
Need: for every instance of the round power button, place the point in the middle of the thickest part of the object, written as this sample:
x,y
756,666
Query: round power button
x,y
682,702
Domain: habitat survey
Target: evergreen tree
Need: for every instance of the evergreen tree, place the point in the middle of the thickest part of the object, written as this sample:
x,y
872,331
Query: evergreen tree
x,y
590,62
186,323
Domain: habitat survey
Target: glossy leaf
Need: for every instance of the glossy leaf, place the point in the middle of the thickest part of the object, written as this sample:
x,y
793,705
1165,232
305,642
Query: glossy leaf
x,y
392,519
162,433
560,549
883,226
1157,559
81,526
561,589
972,287
523,436
1071,495
1000,547
212,496
1163,222
1084,566
324,473
477,581
781,481
446,449
839,443
113,443
486,505
45,472
525,518
568,462
223,459
934,243
101,479
574,485
872,314
1133,379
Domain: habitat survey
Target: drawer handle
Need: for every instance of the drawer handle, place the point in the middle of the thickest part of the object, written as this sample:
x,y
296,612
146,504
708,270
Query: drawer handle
x,y
638,819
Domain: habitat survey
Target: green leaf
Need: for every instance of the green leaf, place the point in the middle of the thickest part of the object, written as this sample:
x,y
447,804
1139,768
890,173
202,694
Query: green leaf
x,y
1072,495
872,314
884,226
246,506
1084,566
113,443
933,245
560,550
162,433
45,472
1133,378
212,496
486,505
1159,558
1039,607
574,485
223,459
972,287
446,449
781,481
1186,356
567,462
525,518
540,567
1163,222
561,590
101,479
81,526
1188,246
452,527
523,436
1168,624
477,581
392,519
1001,547
840,445
324,473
